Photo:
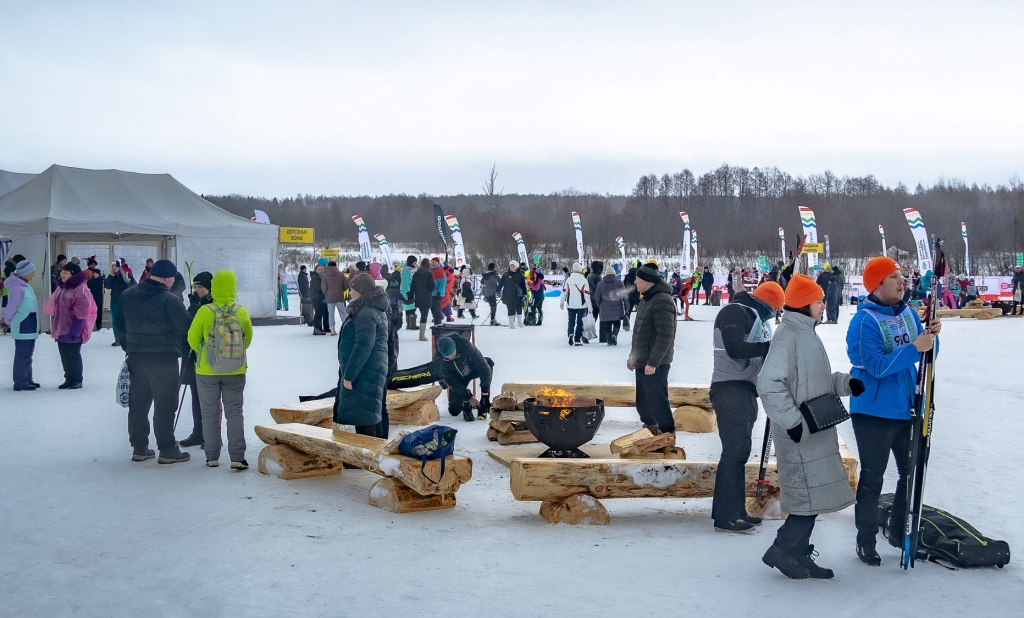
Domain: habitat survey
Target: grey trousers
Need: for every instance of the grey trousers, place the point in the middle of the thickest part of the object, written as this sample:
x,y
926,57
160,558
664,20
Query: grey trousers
x,y
212,391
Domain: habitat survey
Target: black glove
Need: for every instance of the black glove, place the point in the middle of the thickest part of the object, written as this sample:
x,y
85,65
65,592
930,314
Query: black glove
x,y
796,433
485,404
856,387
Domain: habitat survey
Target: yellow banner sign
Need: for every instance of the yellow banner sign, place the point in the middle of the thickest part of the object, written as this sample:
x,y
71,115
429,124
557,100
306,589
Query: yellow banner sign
x,y
297,234
813,247
329,253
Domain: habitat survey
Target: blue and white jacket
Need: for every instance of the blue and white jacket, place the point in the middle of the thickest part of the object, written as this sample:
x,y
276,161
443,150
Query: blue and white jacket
x,y
880,344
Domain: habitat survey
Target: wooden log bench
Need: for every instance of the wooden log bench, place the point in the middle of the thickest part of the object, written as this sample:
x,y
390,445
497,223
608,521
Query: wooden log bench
x,y
297,450
570,490
693,411
980,313
414,406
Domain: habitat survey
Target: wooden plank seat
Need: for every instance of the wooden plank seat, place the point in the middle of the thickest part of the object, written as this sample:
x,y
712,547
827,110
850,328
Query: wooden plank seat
x,y
413,406
297,450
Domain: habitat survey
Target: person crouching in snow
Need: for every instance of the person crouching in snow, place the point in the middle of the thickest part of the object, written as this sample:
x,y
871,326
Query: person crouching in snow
x,y
220,334
21,315
741,338
812,479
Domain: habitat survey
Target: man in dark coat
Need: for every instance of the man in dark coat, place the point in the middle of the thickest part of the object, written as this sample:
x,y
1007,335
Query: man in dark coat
x,y
95,284
153,323
55,271
707,282
421,294
460,362
650,358
512,288
363,358
593,280
489,288
742,336
629,282
317,298
201,286
117,282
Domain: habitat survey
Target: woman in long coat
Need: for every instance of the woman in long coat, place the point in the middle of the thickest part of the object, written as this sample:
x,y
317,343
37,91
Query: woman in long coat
x,y
812,479
363,358
74,314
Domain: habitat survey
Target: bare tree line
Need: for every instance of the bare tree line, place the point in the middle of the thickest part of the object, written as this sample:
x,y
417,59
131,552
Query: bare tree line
x,y
736,212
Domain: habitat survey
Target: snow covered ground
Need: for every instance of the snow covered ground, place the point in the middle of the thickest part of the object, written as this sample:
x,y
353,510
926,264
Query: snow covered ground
x,y
86,532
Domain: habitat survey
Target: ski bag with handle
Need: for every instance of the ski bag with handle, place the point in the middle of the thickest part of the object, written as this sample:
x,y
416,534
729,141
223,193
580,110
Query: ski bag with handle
x,y
124,384
947,538
434,442
225,347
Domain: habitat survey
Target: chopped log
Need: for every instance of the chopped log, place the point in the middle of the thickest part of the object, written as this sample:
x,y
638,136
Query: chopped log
x,y
492,434
422,412
983,315
368,453
506,427
576,509
695,420
614,394
624,442
406,397
390,495
284,462
316,411
654,443
516,437
513,417
506,401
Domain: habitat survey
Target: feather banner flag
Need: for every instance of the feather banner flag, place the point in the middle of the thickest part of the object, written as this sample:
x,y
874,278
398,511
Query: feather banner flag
x,y
693,244
521,245
460,249
687,267
439,221
810,226
364,238
885,250
967,249
924,253
782,240
828,249
622,251
385,249
258,216
578,226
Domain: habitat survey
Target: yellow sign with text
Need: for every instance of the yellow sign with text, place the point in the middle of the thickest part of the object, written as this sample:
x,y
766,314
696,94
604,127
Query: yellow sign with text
x,y
297,235
329,253
813,247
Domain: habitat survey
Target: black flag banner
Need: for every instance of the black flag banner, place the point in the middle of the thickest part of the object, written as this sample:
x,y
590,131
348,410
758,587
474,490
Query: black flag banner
x,y
441,225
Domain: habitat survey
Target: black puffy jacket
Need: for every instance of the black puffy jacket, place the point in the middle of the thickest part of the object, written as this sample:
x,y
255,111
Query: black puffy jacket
x,y
151,320
422,288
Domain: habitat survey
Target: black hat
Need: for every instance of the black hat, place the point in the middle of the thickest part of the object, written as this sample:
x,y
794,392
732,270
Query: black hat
x,y
649,275
204,279
492,266
165,269
361,266
74,269
61,257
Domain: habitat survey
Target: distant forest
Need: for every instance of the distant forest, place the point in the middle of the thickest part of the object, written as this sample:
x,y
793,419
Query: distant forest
x,y
735,211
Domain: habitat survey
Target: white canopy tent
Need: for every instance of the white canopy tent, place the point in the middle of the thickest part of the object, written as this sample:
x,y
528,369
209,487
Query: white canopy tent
x,y
9,181
151,215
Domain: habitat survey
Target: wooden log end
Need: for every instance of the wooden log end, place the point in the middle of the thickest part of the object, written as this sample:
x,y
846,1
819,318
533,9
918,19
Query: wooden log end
x,y
695,420
287,463
655,443
574,510
516,437
421,412
390,495
492,434
623,443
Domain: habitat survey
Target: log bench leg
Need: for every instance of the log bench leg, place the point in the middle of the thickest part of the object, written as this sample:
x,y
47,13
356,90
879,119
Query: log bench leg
x,y
695,420
390,495
767,507
576,509
287,463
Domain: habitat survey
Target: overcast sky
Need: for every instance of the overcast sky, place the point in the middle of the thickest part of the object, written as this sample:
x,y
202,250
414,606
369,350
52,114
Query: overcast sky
x,y
279,98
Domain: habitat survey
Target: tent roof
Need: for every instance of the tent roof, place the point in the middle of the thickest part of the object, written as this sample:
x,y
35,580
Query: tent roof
x,y
69,199
9,181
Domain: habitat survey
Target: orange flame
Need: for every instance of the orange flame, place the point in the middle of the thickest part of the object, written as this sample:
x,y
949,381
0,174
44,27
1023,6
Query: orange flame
x,y
555,397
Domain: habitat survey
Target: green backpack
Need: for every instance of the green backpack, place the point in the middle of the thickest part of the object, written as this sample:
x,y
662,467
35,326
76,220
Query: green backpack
x,y
225,347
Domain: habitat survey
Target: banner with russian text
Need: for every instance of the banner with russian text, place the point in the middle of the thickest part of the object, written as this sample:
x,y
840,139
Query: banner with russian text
x,y
687,267
385,249
924,251
364,238
460,249
521,245
967,249
578,226
810,226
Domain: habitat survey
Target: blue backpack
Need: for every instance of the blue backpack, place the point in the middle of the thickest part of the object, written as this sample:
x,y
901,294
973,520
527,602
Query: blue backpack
x,y
434,442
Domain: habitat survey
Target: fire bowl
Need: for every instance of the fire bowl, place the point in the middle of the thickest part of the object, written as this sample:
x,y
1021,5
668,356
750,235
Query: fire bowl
x,y
563,425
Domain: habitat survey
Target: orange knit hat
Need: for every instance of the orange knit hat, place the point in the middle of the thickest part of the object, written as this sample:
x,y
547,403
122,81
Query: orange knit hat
x,y
802,291
877,269
771,294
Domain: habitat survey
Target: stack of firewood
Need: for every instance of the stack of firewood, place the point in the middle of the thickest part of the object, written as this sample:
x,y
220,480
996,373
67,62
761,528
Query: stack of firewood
x,y
508,423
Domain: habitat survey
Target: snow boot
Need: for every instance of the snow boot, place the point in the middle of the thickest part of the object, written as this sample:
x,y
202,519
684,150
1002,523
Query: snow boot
x,y
584,340
788,565
240,465
625,324
461,314
472,314
737,525
192,440
750,519
467,413
540,317
410,321
519,320
334,333
806,559
143,454
423,332
571,342
868,554
172,456
612,340
212,463
317,331
511,321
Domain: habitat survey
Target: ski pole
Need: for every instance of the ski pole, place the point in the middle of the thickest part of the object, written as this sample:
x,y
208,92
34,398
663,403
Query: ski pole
x,y
765,451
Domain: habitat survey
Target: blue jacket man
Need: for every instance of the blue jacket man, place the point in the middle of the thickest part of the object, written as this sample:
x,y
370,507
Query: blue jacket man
x,y
884,343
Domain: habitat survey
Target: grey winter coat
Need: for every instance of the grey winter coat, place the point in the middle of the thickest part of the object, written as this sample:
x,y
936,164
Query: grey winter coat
x,y
610,297
811,474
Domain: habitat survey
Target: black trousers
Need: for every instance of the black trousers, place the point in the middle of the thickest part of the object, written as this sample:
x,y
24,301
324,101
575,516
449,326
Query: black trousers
x,y
832,307
794,534
652,399
736,408
154,382
493,302
435,310
71,360
320,320
576,324
609,328
197,411
876,438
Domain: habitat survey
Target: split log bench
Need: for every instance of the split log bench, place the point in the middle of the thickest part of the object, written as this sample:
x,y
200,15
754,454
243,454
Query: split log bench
x,y
980,313
569,489
693,411
297,450
414,406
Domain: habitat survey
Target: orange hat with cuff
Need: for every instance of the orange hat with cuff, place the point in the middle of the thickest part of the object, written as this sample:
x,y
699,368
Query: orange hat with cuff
x,y
802,291
877,269
771,294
